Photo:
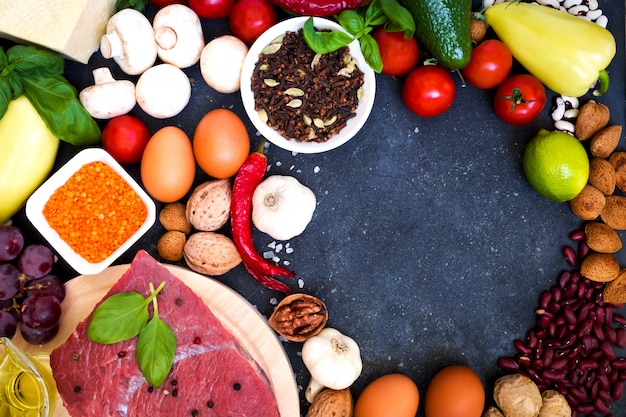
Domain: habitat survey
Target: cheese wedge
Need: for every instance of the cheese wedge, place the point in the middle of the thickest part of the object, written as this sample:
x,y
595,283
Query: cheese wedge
x,y
72,28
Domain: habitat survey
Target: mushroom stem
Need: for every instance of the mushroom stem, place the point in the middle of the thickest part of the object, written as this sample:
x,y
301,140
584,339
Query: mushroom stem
x,y
111,45
166,37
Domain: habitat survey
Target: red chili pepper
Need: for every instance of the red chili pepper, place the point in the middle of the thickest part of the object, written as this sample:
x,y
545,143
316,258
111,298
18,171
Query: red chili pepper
x,y
248,178
317,7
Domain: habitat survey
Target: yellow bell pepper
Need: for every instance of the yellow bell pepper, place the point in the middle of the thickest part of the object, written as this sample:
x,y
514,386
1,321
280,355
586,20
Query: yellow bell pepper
x,y
566,53
27,154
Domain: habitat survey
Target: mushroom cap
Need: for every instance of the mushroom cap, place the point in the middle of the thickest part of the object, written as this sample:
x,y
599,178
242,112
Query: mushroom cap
x,y
163,91
221,62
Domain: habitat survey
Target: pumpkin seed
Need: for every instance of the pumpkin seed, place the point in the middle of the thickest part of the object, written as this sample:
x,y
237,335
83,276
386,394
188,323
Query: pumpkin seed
x,y
294,92
295,103
270,83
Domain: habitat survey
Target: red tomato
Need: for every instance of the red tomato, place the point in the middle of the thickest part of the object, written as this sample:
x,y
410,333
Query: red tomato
x,y
519,99
399,55
162,3
211,9
250,18
489,65
125,138
428,90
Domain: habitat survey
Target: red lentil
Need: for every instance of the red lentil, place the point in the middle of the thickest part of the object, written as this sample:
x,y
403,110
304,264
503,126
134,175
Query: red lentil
x,y
95,211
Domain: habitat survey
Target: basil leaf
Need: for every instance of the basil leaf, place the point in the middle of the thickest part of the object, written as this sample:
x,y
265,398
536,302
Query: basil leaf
x,y
374,15
324,42
5,98
30,61
351,21
138,5
399,17
371,52
155,352
57,103
120,317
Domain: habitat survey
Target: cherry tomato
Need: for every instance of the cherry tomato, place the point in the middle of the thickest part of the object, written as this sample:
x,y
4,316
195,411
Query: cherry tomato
x,y
519,99
428,90
489,65
162,3
250,18
125,138
211,9
399,55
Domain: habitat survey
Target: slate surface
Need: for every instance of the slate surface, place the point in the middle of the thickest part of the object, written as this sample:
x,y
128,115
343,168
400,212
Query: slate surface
x,y
427,245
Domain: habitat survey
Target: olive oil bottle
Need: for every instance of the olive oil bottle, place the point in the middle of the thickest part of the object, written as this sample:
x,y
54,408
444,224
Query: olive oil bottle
x,y
27,388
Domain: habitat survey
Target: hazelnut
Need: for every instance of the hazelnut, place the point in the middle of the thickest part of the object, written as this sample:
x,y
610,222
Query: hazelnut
x,y
170,245
172,217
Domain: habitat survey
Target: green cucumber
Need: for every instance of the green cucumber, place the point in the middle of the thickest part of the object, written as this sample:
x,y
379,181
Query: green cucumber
x,y
443,29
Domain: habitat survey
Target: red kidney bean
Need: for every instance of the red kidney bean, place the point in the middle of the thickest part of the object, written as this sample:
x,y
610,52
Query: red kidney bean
x,y
617,390
586,409
587,364
544,321
570,256
583,250
564,278
584,312
584,328
604,396
576,276
610,334
619,319
577,235
508,364
524,361
522,347
559,363
537,364
604,381
568,314
619,364
600,314
607,350
553,375
556,295
532,339
547,357
620,338
600,406
580,291
544,299
608,314
598,331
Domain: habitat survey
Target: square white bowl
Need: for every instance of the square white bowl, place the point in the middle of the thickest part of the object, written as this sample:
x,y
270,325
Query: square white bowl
x,y
353,125
35,205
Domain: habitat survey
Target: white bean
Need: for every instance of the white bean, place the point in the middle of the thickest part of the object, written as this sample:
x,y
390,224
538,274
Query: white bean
x,y
594,14
578,10
569,3
602,21
559,109
573,102
564,126
570,114
593,4
551,3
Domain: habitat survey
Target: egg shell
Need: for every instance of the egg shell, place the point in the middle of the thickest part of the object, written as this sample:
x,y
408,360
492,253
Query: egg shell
x,y
391,395
168,167
455,391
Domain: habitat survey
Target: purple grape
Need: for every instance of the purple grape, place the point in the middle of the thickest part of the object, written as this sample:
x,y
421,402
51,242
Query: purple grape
x,y
38,336
8,325
36,260
11,242
50,284
41,311
9,281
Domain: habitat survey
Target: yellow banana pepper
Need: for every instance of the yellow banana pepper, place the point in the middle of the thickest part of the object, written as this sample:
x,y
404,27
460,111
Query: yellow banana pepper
x,y
27,154
566,53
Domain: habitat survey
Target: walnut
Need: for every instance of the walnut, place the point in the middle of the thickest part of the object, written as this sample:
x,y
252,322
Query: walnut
x,y
332,403
208,206
298,317
211,253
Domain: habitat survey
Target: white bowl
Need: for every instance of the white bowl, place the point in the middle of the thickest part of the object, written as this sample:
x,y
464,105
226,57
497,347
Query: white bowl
x,y
37,201
353,125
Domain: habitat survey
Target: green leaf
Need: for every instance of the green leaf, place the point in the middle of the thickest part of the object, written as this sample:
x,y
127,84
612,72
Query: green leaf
x,y
155,352
352,22
120,317
139,5
374,15
371,52
30,61
58,105
324,42
400,18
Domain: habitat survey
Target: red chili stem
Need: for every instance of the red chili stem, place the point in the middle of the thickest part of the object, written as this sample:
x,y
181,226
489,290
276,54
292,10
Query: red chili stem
x,y
248,178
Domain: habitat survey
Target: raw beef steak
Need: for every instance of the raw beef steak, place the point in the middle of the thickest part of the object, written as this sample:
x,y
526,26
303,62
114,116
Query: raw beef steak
x,y
212,374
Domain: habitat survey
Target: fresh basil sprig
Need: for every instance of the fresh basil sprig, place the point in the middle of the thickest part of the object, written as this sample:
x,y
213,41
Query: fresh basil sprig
x,y
38,74
123,316
390,13
139,5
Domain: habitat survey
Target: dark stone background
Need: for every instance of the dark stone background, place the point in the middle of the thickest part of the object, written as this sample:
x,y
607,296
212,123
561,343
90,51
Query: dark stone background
x,y
428,245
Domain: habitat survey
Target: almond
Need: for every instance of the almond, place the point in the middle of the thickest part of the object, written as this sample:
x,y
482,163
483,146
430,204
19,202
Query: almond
x,y
614,212
600,267
208,207
588,204
211,253
618,161
602,238
173,217
605,141
602,175
592,118
615,291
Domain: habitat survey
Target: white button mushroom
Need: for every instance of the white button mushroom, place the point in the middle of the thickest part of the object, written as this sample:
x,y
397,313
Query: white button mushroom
x,y
163,91
178,34
108,97
221,62
129,40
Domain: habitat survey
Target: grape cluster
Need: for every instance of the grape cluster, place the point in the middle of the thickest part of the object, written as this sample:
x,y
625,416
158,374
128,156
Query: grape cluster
x,y
30,294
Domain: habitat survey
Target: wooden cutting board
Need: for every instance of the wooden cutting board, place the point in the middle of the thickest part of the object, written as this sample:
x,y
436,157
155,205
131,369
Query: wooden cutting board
x,y
240,317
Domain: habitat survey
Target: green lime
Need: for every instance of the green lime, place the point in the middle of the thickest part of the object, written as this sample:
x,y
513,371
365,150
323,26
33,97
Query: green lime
x,y
556,165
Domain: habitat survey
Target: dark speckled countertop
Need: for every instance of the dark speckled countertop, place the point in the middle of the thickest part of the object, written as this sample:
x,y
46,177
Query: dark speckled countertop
x,y
428,245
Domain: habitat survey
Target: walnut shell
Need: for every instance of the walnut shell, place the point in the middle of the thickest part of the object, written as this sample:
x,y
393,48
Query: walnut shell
x,y
600,267
592,118
602,238
299,317
211,253
173,217
614,212
605,141
330,402
208,206
588,204
602,175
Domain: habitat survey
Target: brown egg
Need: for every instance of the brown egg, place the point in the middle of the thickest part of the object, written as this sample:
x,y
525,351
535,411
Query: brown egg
x,y
455,391
389,395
